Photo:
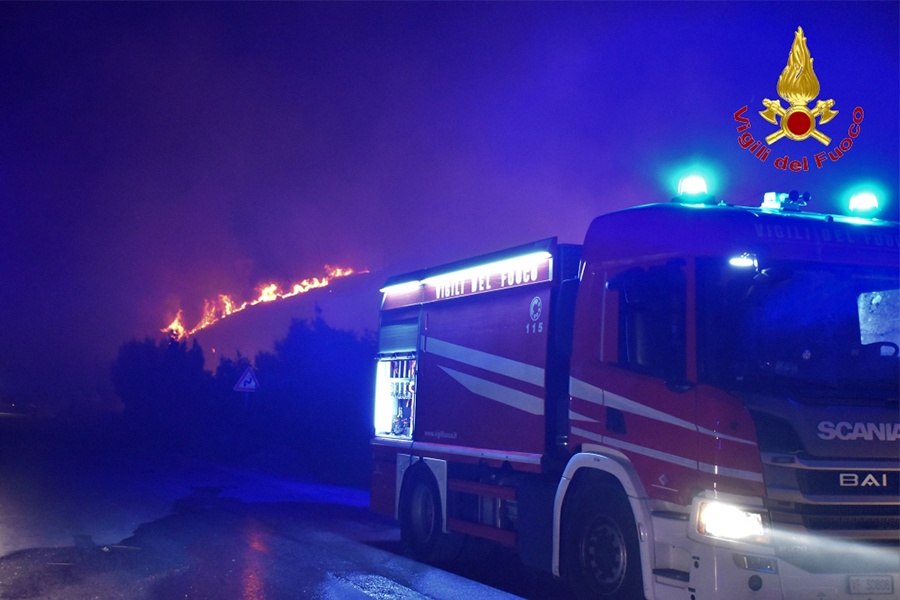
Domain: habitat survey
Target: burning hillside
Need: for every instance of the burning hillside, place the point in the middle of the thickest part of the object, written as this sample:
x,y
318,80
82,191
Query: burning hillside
x,y
225,305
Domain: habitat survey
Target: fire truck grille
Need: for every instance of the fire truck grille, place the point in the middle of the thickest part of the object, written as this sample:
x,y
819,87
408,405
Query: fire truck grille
x,y
872,557
853,529
842,517
839,538
860,523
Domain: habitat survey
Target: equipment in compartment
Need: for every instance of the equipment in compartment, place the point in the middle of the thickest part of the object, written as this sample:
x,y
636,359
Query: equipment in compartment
x,y
400,391
403,387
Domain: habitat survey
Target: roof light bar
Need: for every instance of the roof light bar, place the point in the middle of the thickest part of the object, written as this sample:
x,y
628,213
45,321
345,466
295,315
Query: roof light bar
x,y
510,264
515,271
401,288
788,202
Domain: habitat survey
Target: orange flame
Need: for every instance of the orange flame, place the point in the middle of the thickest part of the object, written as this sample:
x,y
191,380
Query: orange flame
x,y
224,305
798,83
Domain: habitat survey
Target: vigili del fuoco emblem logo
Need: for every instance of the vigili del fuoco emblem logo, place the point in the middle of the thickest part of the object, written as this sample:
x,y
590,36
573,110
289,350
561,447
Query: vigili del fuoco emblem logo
x,y
798,86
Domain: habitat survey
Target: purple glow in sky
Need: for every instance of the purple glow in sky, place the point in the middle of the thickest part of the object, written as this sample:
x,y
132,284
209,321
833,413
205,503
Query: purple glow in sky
x,y
156,154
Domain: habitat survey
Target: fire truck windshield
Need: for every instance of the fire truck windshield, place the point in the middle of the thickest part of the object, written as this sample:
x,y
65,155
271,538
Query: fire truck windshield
x,y
807,330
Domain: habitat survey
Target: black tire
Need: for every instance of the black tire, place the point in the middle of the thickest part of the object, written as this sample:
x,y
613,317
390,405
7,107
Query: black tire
x,y
421,520
601,556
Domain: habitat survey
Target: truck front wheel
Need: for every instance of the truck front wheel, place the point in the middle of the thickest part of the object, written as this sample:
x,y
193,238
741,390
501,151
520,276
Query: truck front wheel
x,y
602,557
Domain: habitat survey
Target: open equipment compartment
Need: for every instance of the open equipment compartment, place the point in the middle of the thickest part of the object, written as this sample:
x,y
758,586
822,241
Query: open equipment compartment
x,y
395,394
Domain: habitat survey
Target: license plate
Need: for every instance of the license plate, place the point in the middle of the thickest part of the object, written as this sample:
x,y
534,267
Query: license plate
x,y
871,584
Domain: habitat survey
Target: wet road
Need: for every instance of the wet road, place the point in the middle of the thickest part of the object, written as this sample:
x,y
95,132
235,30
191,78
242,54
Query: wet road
x,y
108,524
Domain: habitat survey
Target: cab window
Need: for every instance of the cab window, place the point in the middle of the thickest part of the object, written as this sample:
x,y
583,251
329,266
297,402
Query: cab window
x,y
651,317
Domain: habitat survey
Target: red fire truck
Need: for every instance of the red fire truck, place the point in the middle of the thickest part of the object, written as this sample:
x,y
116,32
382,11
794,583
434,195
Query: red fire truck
x,y
700,401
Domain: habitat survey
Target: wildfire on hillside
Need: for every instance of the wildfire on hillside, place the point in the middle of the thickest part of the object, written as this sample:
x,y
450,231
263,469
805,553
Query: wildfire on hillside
x,y
225,305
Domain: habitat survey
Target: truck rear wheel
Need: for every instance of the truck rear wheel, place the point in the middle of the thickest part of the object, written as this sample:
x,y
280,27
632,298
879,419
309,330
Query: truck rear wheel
x,y
602,557
421,520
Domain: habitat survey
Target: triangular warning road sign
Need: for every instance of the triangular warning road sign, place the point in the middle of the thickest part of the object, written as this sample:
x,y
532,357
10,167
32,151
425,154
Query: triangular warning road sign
x,y
248,382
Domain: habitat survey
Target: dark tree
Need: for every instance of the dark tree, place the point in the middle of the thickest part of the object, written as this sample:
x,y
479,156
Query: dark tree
x,y
315,397
312,412
165,390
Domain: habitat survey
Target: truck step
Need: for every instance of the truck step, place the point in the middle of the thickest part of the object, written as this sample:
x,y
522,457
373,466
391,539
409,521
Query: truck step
x,y
501,536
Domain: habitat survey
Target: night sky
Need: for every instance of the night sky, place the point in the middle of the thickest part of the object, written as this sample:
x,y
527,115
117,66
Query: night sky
x,y
156,154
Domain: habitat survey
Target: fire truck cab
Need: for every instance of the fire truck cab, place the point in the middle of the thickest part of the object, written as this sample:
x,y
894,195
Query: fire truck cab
x,y
700,401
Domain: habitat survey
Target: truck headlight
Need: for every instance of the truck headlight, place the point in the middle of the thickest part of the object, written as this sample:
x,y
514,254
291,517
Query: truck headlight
x,y
731,522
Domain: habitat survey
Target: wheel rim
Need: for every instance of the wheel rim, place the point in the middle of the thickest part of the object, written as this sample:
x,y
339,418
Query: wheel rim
x,y
422,513
603,554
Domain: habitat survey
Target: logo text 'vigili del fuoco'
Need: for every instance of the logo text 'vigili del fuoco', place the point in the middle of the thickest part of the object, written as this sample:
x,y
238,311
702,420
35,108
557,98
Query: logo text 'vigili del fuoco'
x,y
798,86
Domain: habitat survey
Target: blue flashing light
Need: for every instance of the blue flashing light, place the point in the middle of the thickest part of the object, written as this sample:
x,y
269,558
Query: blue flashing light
x,y
692,191
863,202
692,185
